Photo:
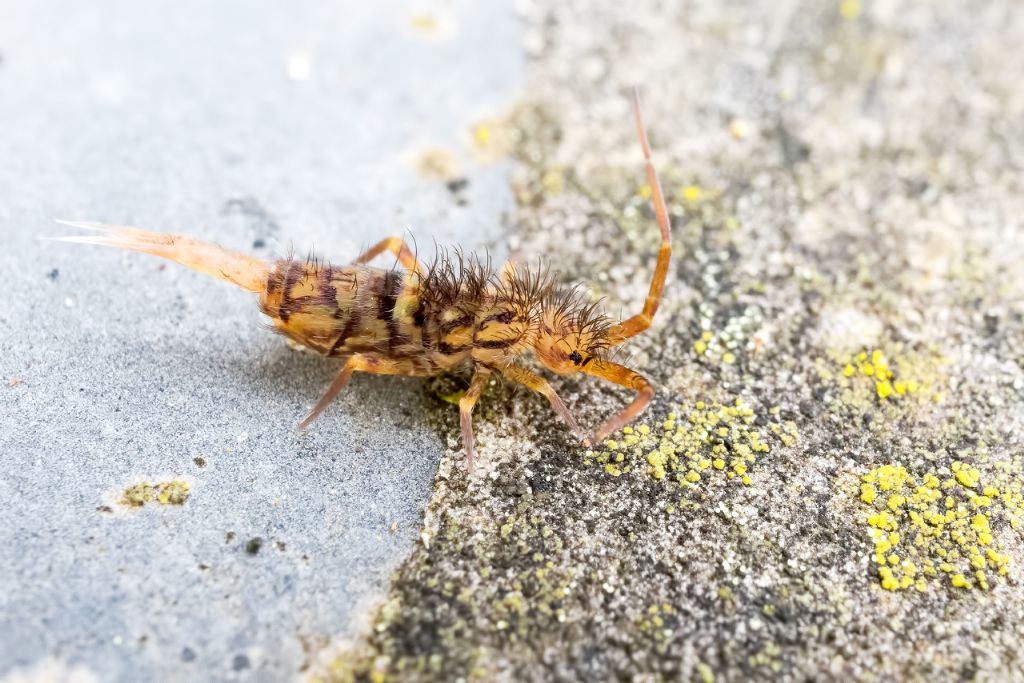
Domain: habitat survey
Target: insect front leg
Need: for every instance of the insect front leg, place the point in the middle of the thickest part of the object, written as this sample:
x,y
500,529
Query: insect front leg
x,y
537,383
398,247
466,404
623,376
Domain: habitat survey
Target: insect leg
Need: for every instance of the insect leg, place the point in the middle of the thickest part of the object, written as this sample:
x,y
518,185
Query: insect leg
x,y
623,376
332,392
540,385
357,363
466,404
396,246
641,321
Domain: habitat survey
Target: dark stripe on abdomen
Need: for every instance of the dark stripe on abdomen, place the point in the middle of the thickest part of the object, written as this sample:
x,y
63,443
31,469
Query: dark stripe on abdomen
x,y
447,349
386,307
295,269
495,343
419,318
346,332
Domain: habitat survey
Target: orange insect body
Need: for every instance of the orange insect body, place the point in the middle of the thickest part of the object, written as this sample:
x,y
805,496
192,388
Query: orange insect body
x,y
424,321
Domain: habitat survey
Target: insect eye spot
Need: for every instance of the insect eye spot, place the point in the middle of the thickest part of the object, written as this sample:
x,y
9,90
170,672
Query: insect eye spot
x,y
575,357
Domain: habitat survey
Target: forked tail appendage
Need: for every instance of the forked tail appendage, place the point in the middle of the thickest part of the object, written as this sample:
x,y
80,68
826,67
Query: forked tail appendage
x,y
245,271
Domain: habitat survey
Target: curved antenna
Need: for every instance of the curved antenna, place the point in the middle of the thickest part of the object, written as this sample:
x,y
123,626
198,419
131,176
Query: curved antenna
x,y
641,321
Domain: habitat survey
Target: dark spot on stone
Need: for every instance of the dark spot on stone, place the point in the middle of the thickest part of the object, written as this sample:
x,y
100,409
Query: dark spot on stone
x,y
229,536
457,185
240,663
991,323
253,545
187,655
794,150
281,546
918,186
203,566
104,508
810,409
541,483
256,215
53,274
199,460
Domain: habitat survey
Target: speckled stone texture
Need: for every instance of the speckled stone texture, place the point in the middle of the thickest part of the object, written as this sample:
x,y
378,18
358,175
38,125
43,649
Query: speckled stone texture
x,y
828,485
260,126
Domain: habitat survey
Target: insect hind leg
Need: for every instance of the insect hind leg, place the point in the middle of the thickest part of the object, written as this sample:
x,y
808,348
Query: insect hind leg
x,y
358,363
332,392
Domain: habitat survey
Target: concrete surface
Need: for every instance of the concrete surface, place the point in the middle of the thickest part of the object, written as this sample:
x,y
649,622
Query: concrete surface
x,y
260,126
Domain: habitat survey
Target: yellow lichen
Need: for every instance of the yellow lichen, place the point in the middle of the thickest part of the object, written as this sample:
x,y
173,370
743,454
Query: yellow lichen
x,y
874,376
691,194
137,495
173,492
937,522
691,444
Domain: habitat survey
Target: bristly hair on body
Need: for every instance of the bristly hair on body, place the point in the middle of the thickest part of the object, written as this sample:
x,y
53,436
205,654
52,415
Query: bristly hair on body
x,y
457,279
572,308
466,281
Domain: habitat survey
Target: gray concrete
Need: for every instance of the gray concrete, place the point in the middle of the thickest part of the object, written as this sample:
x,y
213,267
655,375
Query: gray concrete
x,y
257,125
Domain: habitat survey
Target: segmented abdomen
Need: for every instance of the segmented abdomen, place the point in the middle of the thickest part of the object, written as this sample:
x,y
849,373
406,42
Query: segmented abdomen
x,y
426,323
340,311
